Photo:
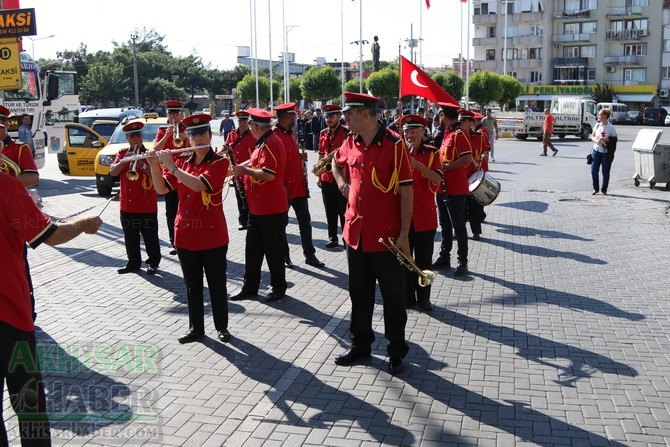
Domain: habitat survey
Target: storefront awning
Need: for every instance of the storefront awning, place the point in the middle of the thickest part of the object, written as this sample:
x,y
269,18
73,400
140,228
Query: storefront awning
x,y
635,97
534,98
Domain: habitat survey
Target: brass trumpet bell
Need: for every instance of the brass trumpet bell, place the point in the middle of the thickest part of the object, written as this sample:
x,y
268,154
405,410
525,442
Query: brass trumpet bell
x,y
426,277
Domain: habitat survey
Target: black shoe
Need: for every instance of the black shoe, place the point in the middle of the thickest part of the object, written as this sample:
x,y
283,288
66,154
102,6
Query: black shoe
x,y
352,355
442,262
151,270
191,337
127,270
173,251
425,306
242,295
395,365
241,227
314,261
410,304
288,262
476,237
224,336
332,244
461,269
272,297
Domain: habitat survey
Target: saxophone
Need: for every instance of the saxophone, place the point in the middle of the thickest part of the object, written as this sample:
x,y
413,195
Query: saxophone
x,y
324,165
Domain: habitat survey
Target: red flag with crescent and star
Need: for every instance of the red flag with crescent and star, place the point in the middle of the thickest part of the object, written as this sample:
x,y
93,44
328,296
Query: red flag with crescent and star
x,y
414,81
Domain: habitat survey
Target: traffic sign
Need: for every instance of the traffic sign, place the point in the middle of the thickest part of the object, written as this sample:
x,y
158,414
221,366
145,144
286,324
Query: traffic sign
x,y
224,96
10,65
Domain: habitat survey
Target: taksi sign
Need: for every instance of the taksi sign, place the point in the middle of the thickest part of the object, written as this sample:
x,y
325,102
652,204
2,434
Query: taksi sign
x,y
17,22
10,65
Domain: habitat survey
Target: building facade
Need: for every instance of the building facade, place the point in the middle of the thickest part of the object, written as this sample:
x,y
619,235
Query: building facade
x,y
566,47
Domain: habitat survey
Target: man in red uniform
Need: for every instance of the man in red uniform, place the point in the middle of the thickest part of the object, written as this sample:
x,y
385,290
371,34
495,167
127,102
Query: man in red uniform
x,y
372,169
268,209
138,202
295,180
240,144
456,155
427,175
201,231
165,139
19,363
330,140
481,147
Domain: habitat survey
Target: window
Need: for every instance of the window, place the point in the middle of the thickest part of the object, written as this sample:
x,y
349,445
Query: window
x,y
591,74
639,49
665,72
512,74
536,30
535,76
589,27
570,51
666,45
571,28
620,25
492,31
588,51
535,53
635,74
510,6
513,53
490,55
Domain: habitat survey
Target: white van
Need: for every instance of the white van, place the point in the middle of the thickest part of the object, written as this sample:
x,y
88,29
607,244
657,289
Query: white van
x,y
619,110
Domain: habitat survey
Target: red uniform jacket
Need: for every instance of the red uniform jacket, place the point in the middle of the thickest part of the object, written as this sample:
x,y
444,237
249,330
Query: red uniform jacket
x,y
138,196
376,172
200,223
328,142
455,144
20,154
267,197
294,175
424,216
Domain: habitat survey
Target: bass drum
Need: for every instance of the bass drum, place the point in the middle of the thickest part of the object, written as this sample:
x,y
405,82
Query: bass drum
x,y
483,187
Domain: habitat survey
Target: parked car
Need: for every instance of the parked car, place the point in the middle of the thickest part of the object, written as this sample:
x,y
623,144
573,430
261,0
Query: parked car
x,y
654,116
104,182
633,117
82,144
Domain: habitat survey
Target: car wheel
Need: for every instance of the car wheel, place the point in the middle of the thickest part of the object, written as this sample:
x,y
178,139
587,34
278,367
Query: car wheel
x,y
64,169
103,191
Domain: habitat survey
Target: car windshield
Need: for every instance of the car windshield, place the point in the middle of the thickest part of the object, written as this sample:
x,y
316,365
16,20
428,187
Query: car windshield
x,y
149,132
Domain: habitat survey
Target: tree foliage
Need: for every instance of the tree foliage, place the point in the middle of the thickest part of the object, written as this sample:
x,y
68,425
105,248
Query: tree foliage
x,y
485,87
321,83
353,85
451,83
604,93
106,85
385,84
246,90
512,88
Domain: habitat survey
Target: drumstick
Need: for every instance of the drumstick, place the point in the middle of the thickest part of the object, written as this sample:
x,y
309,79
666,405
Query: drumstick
x,y
107,204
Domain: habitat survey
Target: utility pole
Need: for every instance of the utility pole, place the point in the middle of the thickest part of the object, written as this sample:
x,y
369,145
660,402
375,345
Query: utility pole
x,y
137,90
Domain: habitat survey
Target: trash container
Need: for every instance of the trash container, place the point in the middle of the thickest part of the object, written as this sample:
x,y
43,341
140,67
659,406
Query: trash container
x,y
652,160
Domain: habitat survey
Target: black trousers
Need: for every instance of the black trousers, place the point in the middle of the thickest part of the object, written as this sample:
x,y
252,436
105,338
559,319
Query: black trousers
x,y
213,262
30,281
241,206
364,270
19,367
301,207
421,248
334,203
145,224
266,236
452,214
475,214
171,205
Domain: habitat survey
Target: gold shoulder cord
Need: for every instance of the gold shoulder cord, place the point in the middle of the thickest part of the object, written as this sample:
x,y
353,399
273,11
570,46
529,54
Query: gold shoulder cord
x,y
444,160
437,185
207,197
261,182
393,183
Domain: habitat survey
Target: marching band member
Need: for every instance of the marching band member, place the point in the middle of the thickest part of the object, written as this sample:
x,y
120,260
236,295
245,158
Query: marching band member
x,y
22,372
240,144
372,169
456,155
480,155
165,140
268,209
295,180
334,203
138,202
201,232
427,175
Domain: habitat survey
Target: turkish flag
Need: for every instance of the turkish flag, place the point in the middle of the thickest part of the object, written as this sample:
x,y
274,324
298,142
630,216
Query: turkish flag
x,y
428,4
414,81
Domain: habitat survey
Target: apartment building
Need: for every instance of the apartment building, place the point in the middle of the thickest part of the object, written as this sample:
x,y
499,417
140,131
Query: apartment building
x,y
566,47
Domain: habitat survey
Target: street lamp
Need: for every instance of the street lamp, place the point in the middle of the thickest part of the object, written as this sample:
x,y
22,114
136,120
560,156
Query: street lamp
x,y
287,62
35,40
134,37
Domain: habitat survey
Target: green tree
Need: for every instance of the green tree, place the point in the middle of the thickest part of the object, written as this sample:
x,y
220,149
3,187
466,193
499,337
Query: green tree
x,y
485,87
105,84
385,84
320,83
512,88
246,90
353,85
451,83
603,93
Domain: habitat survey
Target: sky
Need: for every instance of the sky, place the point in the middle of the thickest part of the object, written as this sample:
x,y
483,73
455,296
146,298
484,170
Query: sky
x,y
213,29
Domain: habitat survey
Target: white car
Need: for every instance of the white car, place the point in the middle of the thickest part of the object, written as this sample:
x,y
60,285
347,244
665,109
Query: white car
x,y
206,110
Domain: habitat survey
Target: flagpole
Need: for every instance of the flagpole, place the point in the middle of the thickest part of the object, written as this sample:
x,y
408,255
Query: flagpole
x,y
460,68
270,58
258,104
342,44
467,73
360,48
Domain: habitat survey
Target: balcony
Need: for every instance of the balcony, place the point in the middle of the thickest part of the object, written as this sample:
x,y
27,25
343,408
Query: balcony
x,y
569,38
623,11
485,41
621,60
484,65
573,14
526,17
571,61
527,41
626,34
485,19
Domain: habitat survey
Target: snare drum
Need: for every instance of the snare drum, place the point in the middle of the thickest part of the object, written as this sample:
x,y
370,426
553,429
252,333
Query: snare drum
x,y
483,187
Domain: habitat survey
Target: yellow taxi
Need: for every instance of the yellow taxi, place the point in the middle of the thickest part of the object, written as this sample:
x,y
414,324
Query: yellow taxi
x,y
104,182
82,143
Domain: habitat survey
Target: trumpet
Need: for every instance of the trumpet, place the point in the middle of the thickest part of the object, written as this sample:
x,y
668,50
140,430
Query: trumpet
x,y
8,166
426,277
324,165
177,141
132,174
150,153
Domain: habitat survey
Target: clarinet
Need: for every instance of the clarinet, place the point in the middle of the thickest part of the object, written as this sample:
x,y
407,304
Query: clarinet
x,y
239,183
304,170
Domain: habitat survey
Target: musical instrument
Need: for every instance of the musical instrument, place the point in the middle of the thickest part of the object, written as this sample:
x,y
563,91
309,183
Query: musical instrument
x,y
303,157
426,277
239,183
483,187
324,165
150,153
8,166
131,173
177,141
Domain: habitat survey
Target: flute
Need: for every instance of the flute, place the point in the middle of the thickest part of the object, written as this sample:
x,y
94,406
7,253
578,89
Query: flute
x,y
151,153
